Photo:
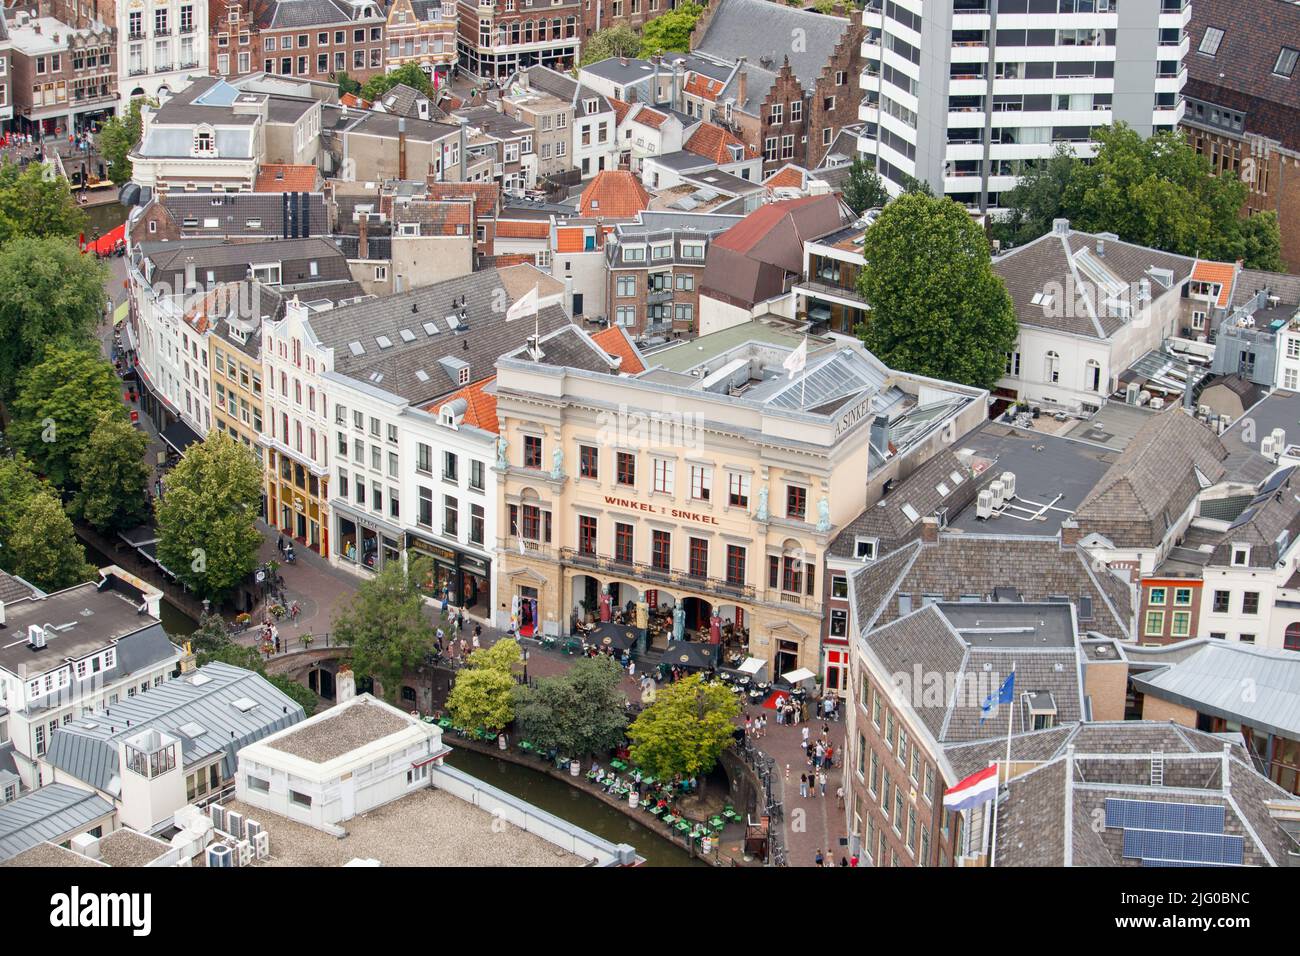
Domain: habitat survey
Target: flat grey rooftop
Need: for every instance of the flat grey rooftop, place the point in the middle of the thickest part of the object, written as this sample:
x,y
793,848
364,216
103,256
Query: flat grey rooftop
x,y
50,854
1053,475
1005,624
125,847
1114,426
341,731
1279,410
83,617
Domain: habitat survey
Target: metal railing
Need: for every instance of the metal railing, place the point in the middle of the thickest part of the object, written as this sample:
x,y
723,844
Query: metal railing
x,y
599,562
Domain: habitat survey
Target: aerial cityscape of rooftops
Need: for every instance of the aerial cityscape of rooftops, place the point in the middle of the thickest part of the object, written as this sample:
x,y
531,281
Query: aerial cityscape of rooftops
x,y
638,433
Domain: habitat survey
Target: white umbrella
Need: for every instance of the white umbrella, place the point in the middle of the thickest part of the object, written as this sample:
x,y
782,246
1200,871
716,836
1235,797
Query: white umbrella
x,y
799,676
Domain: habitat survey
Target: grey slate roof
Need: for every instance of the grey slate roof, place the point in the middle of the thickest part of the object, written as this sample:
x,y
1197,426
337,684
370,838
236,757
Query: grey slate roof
x,y
546,80
15,589
758,28
1154,480
230,260
961,564
1210,681
48,813
569,347
89,753
1284,285
298,14
1052,261
272,211
414,369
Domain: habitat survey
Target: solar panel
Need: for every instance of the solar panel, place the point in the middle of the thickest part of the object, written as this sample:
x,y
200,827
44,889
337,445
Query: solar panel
x,y
1153,815
1275,482
1179,847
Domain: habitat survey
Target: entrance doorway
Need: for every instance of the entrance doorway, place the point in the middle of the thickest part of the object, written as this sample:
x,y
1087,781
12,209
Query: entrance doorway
x,y
787,657
527,612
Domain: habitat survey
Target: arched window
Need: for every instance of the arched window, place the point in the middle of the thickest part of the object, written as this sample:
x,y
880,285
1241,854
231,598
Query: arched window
x,y
1291,641
1092,375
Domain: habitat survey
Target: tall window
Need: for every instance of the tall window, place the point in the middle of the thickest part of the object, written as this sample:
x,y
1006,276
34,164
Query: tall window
x,y
701,482
626,468
663,476
735,565
588,461
623,542
796,502
586,534
532,451
738,490
699,563
661,550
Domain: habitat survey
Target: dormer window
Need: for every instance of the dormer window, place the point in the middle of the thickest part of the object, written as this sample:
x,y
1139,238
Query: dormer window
x,y
1240,555
865,548
1042,709
205,141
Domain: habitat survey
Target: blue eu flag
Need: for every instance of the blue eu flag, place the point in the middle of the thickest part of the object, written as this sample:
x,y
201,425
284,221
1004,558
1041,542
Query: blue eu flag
x,y
1004,696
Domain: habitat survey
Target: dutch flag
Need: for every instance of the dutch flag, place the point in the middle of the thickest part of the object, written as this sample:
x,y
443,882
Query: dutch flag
x,y
976,789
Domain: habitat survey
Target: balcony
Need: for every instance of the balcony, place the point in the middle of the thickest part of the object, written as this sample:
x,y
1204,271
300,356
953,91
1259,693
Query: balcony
x,y
667,577
659,296
135,35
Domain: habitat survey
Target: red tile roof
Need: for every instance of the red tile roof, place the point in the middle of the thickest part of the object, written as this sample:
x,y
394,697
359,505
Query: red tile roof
x,y
352,100
615,342
485,195
568,240
620,109
614,194
286,178
651,118
480,406
744,235
1221,273
714,142
786,176
697,84
523,229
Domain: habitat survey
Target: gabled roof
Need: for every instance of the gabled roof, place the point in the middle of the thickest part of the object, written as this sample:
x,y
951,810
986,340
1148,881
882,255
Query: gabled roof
x,y
1157,476
523,229
480,401
760,31
1222,274
616,342
716,143
286,178
788,176
486,196
47,813
614,194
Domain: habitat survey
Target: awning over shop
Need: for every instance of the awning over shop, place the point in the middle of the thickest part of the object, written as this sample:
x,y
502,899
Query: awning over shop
x,y
121,312
179,436
752,665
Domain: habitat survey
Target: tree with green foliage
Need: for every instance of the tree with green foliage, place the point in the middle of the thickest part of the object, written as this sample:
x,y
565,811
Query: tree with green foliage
x,y
35,204
670,32
49,293
206,535
409,74
825,7
684,732
112,477
211,642
1157,191
913,185
19,486
582,711
348,85
618,40
118,137
59,402
483,695
937,307
864,190
44,549
385,625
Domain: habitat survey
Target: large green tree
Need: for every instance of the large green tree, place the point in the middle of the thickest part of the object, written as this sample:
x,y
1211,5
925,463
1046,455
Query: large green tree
x,y
582,711
19,485
864,190
43,548
206,535
36,204
386,627
618,40
410,74
1156,191
118,137
59,402
684,732
483,695
112,476
49,292
670,32
937,307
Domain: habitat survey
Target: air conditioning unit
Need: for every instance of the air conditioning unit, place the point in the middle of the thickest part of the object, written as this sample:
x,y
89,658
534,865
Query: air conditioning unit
x,y
219,855
1157,403
217,813
1009,484
999,492
1267,446
1279,439
251,829
262,845
245,853
1143,397
1131,393
235,824
1204,411
984,505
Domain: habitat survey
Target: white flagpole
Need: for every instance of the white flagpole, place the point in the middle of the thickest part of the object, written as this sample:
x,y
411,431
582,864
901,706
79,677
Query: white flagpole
x,y
1011,713
803,374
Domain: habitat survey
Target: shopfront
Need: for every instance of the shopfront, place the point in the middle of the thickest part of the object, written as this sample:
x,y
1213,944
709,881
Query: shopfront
x,y
463,576
365,542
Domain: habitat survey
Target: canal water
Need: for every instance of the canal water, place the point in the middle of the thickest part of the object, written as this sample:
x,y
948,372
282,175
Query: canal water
x,y
104,218
570,803
175,622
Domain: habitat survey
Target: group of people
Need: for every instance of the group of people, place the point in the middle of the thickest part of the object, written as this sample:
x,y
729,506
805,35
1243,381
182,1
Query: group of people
x,y
453,644
286,550
825,859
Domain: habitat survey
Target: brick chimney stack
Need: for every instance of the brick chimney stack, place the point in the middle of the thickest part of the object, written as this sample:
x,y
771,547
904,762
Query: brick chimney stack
x,y
929,529
1070,534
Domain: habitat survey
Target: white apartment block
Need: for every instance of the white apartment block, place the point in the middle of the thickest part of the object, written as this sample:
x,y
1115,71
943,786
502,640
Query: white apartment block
x,y
160,46
1003,82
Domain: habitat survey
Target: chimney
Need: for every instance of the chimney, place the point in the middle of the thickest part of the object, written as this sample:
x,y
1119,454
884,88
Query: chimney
x,y
1070,534
929,529
677,85
345,686
363,237
1101,248
401,147
742,84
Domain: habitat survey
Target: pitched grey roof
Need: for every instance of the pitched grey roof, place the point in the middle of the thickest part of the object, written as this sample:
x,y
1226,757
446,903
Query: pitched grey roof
x,y
566,88
229,261
1154,480
755,29
15,589
49,813
402,100
1061,263
569,347
276,215
1284,285
1269,524
86,749
296,14
416,369
967,564
1210,681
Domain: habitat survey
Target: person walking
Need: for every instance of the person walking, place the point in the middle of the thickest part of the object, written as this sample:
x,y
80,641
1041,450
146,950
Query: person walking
x,y
820,860
631,668
280,545
821,780
805,735
803,786
839,797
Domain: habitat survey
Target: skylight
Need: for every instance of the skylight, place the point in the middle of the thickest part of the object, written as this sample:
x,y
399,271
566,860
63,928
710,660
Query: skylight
x,y
1210,42
356,348
452,322
1286,61
1042,298
384,341
910,513
198,680
944,490
430,328
192,729
243,704
407,335
955,477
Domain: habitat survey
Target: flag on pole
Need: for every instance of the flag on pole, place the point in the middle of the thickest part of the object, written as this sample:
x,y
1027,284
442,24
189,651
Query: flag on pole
x,y
1004,695
798,359
526,305
980,787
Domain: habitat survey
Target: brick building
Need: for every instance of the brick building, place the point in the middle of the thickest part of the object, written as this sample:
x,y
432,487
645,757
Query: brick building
x,y
423,32
496,38
307,39
1243,103
63,77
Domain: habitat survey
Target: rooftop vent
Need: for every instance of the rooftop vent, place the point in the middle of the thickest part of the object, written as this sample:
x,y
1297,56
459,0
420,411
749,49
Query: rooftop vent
x,y
243,704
